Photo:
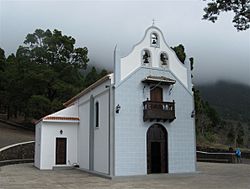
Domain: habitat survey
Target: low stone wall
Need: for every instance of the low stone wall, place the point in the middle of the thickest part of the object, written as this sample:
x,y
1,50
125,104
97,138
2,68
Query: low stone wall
x,y
17,153
216,157
244,154
206,154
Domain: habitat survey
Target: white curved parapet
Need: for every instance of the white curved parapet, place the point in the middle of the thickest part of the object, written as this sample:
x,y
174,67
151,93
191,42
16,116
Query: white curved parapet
x,y
133,60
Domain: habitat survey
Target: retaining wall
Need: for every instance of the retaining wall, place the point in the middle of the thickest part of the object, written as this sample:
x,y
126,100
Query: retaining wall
x,y
17,153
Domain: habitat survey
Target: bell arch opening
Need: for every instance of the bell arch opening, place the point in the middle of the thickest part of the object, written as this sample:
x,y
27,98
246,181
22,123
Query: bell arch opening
x,y
146,58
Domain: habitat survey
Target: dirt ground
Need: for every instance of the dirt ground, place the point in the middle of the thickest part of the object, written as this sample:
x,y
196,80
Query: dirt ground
x,y
11,135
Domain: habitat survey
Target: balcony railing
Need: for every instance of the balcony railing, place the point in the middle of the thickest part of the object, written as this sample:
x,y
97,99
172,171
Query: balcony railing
x,y
159,111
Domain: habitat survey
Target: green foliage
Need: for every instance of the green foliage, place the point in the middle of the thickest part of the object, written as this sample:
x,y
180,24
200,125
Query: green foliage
x,y
2,59
2,78
56,105
205,117
43,74
191,59
210,136
46,47
2,65
235,135
240,8
231,100
180,52
240,135
231,136
212,114
38,106
93,76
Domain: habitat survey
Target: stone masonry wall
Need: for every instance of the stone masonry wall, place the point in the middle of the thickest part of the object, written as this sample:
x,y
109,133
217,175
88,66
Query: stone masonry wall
x,y
17,153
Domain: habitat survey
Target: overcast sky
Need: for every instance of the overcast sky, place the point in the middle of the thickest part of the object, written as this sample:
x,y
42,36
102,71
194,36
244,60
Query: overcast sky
x,y
220,51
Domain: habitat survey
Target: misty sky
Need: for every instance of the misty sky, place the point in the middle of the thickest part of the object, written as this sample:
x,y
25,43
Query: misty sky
x,y
220,51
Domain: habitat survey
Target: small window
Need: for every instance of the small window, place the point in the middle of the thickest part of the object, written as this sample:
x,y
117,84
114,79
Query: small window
x,y
97,114
154,40
164,59
146,57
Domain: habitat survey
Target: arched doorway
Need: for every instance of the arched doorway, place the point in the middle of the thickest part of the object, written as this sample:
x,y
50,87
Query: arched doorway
x,y
157,149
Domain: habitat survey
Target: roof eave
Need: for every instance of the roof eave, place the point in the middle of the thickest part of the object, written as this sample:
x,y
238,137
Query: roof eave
x,y
155,80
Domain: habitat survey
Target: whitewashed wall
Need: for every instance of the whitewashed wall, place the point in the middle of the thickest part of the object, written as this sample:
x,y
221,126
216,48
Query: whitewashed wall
x,y
50,131
101,134
83,135
130,92
131,130
37,145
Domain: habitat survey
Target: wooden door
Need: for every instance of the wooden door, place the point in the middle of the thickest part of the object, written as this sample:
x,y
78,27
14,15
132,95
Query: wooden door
x,y
156,97
156,94
157,149
61,151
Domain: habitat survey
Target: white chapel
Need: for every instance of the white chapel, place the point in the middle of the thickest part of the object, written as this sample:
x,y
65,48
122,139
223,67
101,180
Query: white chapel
x,y
136,121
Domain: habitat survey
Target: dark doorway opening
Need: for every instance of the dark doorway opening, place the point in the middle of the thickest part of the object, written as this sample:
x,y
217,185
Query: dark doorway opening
x,y
155,157
157,149
61,151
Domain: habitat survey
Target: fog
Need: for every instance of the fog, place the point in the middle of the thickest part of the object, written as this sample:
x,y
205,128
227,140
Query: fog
x,y
220,52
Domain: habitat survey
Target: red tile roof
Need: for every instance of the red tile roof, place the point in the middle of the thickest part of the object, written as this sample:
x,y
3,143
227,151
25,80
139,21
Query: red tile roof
x,y
61,118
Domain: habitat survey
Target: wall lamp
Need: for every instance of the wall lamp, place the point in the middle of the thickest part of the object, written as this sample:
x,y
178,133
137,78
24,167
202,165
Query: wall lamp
x,y
193,114
117,109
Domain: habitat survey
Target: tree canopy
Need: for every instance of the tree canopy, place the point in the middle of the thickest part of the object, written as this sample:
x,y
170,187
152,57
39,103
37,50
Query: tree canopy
x,y
240,8
45,71
46,47
2,59
180,52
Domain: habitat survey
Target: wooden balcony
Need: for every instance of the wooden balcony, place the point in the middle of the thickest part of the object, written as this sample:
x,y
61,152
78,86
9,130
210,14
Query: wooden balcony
x,y
159,111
